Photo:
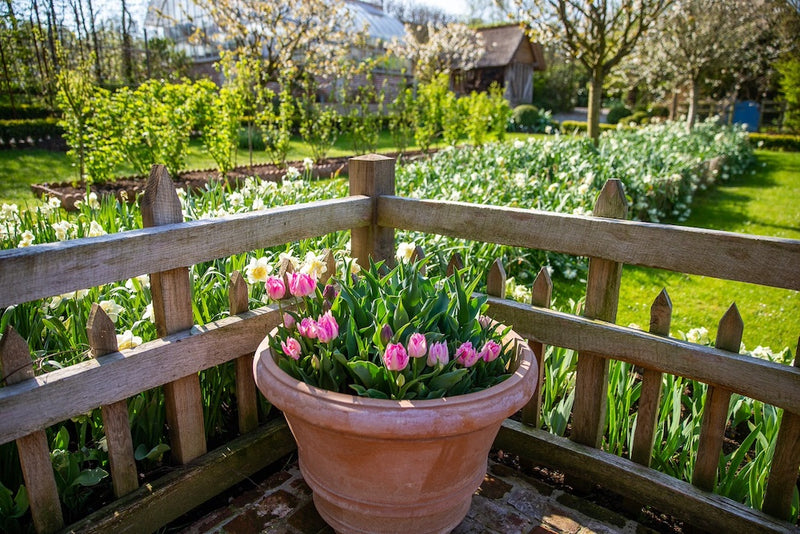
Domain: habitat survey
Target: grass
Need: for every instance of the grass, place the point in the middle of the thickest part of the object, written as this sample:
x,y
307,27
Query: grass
x,y
764,203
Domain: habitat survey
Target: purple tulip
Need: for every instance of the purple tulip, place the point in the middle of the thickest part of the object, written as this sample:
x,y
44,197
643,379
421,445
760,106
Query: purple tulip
x,y
490,351
327,328
438,354
395,357
291,347
466,355
386,334
417,347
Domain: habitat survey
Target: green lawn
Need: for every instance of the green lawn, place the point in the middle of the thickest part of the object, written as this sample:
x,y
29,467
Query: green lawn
x,y
764,203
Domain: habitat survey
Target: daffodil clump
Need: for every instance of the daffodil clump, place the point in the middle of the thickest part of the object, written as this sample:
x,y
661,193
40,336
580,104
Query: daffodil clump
x,y
389,335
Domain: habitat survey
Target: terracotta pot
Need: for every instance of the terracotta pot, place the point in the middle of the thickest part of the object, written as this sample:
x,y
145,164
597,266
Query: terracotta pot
x,y
393,466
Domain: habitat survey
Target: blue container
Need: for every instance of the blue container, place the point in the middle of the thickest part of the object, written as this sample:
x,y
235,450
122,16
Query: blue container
x,y
748,113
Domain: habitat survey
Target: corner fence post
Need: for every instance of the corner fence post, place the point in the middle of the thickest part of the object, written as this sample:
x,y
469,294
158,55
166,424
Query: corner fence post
x,y
372,175
172,307
34,453
602,297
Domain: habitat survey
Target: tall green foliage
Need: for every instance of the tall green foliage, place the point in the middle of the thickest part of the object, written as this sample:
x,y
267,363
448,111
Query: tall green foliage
x,y
789,70
220,114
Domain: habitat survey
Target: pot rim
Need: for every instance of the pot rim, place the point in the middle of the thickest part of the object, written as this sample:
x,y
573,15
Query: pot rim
x,y
347,413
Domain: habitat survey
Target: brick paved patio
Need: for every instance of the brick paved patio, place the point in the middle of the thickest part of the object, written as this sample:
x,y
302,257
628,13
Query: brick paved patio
x,y
507,502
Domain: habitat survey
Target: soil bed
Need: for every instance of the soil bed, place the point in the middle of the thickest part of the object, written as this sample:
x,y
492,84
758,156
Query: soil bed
x,y
128,187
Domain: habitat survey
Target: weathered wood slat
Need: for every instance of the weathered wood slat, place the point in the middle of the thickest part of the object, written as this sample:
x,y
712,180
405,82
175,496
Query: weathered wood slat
x,y
602,297
56,268
496,280
705,510
34,453
769,382
541,293
172,308
152,506
102,341
715,408
42,401
246,396
761,260
372,176
652,383
785,463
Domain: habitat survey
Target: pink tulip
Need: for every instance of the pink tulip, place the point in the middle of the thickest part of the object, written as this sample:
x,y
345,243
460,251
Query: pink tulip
x,y
417,347
438,353
276,289
308,328
395,358
301,284
289,321
485,321
327,328
291,347
490,351
466,355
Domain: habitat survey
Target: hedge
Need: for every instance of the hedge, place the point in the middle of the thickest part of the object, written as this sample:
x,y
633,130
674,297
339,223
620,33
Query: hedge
x,y
789,143
30,129
24,111
571,126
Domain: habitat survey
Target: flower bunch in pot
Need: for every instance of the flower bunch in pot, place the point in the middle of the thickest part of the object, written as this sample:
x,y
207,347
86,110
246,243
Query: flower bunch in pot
x,y
394,385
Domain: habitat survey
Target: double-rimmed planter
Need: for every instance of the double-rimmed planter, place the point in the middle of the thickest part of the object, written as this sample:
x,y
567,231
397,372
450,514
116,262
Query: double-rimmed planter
x,y
386,466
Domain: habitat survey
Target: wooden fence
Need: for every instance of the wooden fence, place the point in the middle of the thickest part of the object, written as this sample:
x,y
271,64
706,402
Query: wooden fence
x,y
167,246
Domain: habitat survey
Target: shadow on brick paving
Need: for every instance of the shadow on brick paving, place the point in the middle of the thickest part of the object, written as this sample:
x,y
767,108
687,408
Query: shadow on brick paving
x,y
507,502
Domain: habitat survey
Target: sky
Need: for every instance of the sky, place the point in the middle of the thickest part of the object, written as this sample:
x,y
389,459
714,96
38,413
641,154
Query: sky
x,y
454,7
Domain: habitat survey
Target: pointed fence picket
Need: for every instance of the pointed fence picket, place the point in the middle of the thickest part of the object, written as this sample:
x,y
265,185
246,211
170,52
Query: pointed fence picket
x,y
167,247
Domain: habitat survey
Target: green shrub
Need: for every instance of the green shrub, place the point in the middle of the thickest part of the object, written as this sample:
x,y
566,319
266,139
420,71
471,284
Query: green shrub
x,y
640,117
616,113
22,129
530,119
788,143
579,126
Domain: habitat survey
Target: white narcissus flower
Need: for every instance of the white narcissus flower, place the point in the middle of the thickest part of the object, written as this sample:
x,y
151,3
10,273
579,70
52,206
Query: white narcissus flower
x,y
127,340
112,309
95,229
313,265
405,251
257,270
8,212
26,240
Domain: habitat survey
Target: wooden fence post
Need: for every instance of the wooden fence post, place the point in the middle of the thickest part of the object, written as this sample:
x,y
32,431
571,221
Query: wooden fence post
x,y
455,263
602,296
372,175
650,397
496,280
34,453
541,294
246,399
785,463
102,341
172,307
715,409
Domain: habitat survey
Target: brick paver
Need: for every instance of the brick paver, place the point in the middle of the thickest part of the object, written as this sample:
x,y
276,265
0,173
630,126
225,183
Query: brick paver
x,y
507,502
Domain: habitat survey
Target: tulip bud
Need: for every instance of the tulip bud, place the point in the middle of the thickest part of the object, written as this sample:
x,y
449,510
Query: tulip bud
x,y
417,347
386,334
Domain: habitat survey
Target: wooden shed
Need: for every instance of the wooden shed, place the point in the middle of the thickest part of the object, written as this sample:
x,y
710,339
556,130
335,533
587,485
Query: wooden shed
x,y
509,60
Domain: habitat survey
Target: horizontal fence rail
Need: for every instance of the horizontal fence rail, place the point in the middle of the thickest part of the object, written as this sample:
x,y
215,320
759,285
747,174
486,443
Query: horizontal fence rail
x,y
758,379
58,395
56,268
760,260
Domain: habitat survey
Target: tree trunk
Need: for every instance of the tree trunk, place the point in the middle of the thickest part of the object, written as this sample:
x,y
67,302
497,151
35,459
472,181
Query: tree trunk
x,y
693,97
595,94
